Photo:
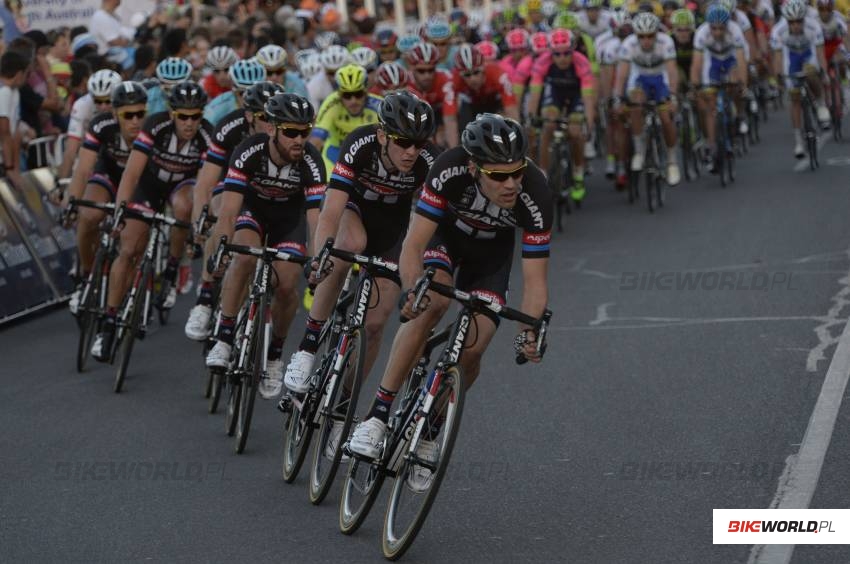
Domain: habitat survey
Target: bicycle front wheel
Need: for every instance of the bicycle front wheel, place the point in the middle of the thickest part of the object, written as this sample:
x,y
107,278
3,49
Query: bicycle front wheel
x,y
336,410
131,325
251,377
88,312
408,507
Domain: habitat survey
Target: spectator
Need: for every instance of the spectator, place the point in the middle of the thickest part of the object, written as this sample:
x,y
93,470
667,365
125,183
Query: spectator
x,y
14,67
240,42
107,28
144,63
60,45
83,45
174,44
40,99
8,22
199,46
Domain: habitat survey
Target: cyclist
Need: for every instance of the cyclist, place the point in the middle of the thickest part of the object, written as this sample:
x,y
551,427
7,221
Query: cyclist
x,y
683,26
390,77
230,132
243,75
594,20
386,40
169,72
479,87
475,198
835,37
797,44
647,70
367,209
368,59
488,50
343,111
219,61
436,87
96,100
607,51
162,165
563,84
438,33
321,85
718,57
273,58
101,162
272,180
519,60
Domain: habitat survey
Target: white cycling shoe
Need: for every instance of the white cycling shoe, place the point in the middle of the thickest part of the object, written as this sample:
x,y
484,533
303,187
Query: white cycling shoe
x,y
219,355
419,478
367,438
299,372
198,325
272,382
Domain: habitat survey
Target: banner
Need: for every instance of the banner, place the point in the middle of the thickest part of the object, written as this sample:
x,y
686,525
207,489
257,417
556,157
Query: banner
x,y
51,14
22,285
37,226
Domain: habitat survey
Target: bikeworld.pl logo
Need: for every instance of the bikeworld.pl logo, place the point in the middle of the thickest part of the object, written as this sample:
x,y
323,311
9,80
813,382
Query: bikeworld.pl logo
x,y
707,281
780,527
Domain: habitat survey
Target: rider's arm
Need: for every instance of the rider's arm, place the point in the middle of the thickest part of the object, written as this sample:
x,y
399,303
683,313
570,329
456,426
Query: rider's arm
x,y
207,178
419,234
588,85
673,74
509,100
325,121
231,204
315,184
136,163
620,83
742,67
696,68
535,288
822,58
450,114
85,167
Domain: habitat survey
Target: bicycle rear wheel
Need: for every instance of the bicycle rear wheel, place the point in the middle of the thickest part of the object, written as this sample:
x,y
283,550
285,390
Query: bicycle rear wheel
x,y
556,183
810,131
251,377
407,510
216,379
334,408
131,324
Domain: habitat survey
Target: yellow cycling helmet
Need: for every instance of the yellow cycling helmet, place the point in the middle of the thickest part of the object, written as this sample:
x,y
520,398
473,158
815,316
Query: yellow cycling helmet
x,y
351,78
533,5
617,4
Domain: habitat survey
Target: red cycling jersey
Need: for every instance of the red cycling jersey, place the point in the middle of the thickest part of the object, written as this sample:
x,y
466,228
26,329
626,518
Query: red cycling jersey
x,y
496,84
211,87
440,95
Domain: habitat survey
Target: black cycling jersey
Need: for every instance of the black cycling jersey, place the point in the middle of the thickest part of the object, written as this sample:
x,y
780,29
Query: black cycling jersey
x,y
167,164
361,171
230,131
104,138
451,195
684,55
253,174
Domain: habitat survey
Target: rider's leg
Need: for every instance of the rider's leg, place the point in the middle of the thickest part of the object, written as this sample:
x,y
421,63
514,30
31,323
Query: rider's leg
x,y
88,223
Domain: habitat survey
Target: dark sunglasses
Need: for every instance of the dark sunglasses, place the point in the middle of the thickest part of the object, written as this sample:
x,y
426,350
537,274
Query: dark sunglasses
x,y
102,101
295,132
470,74
425,71
186,117
130,115
441,43
646,36
278,72
405,143
503,175
794,22
219,71
261,116
718,28
350,95
389,51
566,53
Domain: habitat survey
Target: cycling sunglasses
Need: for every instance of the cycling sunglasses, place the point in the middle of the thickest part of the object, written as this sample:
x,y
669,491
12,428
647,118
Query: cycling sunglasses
x,y
102,101
261,116
276,72
503,175
130,115
350,95
646,36
186,117
470,74
405,143
295,132
430,70
566,53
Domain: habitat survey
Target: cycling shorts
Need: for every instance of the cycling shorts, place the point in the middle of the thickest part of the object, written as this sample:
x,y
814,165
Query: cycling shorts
x,y
655,86
155,194
385,225
283,226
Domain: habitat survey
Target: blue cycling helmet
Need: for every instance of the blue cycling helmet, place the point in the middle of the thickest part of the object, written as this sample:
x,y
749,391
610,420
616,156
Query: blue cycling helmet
x,y
437,29
173,70
406,42
246,73
717,15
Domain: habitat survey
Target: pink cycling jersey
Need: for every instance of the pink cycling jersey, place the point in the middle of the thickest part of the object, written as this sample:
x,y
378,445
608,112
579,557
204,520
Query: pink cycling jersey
x,y
518,71
580,64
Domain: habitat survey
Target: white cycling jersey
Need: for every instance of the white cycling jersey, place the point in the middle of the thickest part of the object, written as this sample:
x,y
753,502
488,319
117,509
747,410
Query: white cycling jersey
x,y
319,88
835,28
733,39
607,46
803,44
647,62
81,113
594,30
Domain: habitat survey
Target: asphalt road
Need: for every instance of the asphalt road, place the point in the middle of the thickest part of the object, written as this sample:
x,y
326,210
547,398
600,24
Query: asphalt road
x,y
655,404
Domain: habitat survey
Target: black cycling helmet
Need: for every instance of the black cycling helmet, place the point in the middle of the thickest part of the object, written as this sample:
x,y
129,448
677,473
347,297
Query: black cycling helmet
x,y
289,108
255,98
187,96
403,114
492,138
128,93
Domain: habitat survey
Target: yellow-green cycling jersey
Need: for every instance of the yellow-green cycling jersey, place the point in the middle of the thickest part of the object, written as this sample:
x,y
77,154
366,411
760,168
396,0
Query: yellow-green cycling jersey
x,y
334,123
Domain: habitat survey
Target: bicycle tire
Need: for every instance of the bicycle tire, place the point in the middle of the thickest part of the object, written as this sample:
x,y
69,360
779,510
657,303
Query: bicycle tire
x,y
393,545
810,133
685,145
163,313
318,486
231,414
721,154
128,335
88,314
251,380
216,379
555,177
649,165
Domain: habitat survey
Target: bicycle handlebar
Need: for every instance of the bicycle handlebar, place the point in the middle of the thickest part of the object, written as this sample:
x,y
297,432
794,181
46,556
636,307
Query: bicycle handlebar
x,y
328,251
154,217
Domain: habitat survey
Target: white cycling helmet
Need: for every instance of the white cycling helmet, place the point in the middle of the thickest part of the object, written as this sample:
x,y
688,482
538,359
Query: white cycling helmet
x,y
794,10
645,23
102,82
365,57
730,5
325,39
304,54
335,57
272,57
311,66
221,57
